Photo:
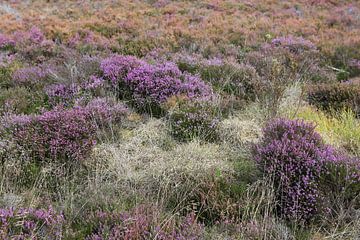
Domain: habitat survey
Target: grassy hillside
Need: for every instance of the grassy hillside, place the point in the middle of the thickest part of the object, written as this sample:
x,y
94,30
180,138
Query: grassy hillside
x,y
180,119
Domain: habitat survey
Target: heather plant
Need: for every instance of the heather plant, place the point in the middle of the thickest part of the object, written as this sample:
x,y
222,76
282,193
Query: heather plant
x,y
116,68
108,116
30,223
145,222
5,77
303,170
60,93
20,100
193,119
149,86
340,185
292,154
280,64
33,45
30,76
6,43
60,134
335,96
86,41
232,79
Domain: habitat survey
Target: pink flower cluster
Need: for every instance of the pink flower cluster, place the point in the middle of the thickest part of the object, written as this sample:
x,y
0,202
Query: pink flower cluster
x,y
29,223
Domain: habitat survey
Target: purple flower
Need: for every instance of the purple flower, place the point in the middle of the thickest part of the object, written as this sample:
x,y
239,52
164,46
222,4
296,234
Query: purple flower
x,y
116,67
6,41
29,75
25,223
297,160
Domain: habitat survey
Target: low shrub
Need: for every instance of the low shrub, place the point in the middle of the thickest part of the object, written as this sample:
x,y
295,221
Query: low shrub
x,y
5,77
149,86
340,185
61,94
145,222
30,76
194,119
233,79
6,43
116,68
335,97
294,156
60,134
29,223
107,113
20,100
33,45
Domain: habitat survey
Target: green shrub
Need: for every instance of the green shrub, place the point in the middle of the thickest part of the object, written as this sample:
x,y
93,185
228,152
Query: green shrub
x,y
5,77
194,119
335,96
341,59
235,79
138,48
20,100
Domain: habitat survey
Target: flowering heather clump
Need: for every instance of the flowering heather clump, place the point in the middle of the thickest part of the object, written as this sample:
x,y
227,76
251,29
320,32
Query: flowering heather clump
x,y
293,154
61,93
32,44
115,68
29,76
29,223
6,42
104,111
309,175
94,83
151,85
57,134
144,223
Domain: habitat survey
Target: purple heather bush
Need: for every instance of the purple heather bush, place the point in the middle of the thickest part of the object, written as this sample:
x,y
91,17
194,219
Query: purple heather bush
x,y
149,86
33,45
29,76
59,134
292,153
61,93
106,112
6,41
116,68
145,222
29,223
297,160
64,134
